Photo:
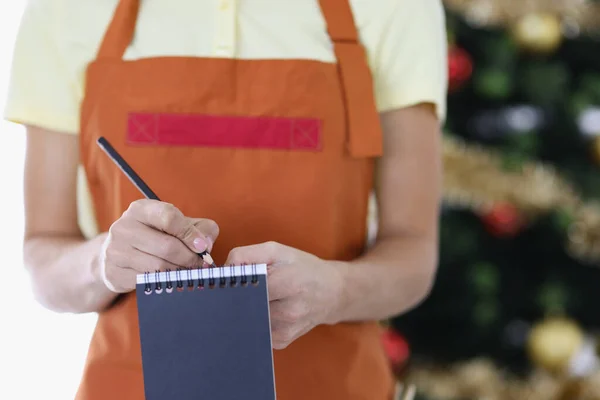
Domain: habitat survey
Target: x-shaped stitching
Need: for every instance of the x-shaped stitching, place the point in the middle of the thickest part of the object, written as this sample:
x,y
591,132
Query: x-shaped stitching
x,y
304,133
143,128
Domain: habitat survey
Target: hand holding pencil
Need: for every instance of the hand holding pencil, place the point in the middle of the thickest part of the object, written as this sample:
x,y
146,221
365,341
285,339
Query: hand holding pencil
x,y
152,235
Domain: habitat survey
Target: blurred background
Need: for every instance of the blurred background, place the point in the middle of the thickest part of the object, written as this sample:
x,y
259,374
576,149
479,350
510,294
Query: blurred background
x,y
514,311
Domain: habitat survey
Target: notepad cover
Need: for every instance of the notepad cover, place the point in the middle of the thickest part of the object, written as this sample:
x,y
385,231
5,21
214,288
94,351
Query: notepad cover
x,y
209,343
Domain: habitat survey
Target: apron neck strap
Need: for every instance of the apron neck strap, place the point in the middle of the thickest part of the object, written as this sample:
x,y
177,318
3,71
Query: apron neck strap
x,y
340,20
118,36
365,136
120,32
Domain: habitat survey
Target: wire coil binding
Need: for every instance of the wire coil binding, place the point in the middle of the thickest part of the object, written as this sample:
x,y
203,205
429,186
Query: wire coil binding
x,y
200,278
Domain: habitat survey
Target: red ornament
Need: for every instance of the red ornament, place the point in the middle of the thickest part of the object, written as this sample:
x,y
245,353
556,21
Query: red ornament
x,y
460,68
503,220
396,348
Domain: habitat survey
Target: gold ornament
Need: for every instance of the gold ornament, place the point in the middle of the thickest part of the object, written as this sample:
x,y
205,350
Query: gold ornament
x,y
573,16
553,343
539,33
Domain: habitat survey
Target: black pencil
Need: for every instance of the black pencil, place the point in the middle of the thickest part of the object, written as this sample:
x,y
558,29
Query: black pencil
x,y
138,182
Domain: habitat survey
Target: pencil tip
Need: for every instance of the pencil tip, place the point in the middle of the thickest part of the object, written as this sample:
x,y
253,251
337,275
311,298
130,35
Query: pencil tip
x,y
209,260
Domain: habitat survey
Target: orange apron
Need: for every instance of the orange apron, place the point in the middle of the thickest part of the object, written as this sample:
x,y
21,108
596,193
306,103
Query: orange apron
x,y
278,150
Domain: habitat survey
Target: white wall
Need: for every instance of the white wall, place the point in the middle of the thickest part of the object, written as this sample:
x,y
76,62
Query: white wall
x,y
41,353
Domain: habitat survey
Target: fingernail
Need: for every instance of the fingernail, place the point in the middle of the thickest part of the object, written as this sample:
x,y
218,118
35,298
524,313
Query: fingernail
x,y
200,244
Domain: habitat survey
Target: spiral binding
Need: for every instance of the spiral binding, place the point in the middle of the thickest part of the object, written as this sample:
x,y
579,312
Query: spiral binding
x,y
200,278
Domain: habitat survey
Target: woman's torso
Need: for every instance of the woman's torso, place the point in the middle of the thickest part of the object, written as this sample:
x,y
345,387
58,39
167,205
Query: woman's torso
x,y
310,191
228,29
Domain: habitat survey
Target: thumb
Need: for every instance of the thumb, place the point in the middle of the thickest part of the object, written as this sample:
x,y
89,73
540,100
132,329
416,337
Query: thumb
x,y
269,253
209,229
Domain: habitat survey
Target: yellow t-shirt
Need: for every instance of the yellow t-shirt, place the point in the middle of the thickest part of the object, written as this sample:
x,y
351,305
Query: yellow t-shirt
x,y
405,41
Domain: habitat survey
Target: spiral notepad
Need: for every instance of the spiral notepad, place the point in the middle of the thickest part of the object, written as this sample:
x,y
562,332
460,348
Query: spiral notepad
x,y
205,334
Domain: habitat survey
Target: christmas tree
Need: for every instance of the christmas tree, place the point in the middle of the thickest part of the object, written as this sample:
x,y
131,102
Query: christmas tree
x,y
518,283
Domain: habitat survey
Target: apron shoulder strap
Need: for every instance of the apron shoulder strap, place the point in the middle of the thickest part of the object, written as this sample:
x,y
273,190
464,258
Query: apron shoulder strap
x,y
340,20
364,126
120,31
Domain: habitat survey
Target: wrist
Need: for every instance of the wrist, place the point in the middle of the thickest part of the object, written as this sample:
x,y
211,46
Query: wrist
x,y
341,292
97,262
101,295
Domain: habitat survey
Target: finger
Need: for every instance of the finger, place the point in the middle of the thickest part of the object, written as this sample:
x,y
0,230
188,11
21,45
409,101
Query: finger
x,y
284,333
270,253
124,256
161,245
143,262
288,311
119,280
209,228
280,285
169,219
300,331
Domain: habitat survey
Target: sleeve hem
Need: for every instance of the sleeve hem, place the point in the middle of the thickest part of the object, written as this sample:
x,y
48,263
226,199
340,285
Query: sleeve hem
x,y
411,98
55,123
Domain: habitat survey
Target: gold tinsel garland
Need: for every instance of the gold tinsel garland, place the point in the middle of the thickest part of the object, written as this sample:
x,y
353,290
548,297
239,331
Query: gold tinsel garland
x,y
475,178
481,379
575,15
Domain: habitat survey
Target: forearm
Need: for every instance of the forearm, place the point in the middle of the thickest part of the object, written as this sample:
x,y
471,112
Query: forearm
x,y
65,273
390,279
398,272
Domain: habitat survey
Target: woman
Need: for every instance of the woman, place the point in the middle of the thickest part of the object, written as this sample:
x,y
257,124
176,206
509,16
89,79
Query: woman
x,y
265,126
